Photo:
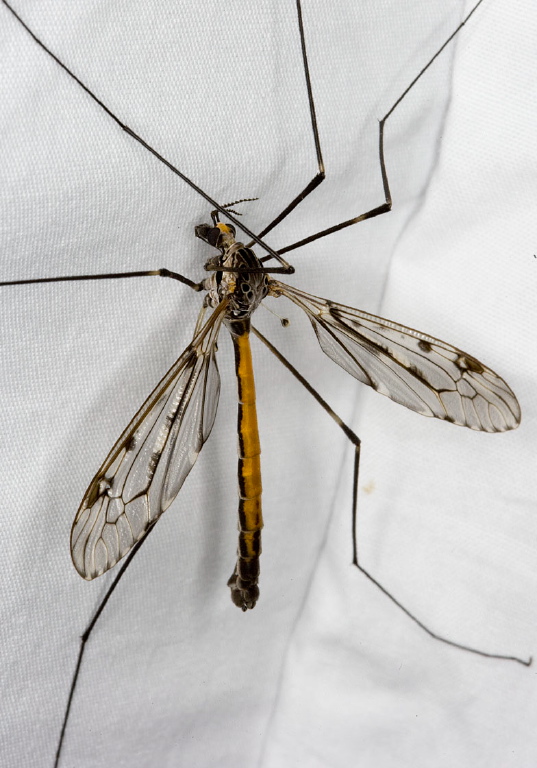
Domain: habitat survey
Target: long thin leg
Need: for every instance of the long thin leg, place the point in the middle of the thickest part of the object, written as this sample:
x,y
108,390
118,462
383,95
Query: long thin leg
x,y
355,440
320,175
85,637
387,205
285,267
110,276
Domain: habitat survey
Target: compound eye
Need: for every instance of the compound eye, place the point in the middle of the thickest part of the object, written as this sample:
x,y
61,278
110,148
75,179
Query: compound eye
x,y
213,236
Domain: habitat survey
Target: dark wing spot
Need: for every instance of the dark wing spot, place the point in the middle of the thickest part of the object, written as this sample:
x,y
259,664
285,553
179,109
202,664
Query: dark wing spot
x,y
153,463
415,371
466,363
425,346
100,487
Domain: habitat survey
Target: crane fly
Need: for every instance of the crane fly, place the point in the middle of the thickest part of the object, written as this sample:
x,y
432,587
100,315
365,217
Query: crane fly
x,y
147,466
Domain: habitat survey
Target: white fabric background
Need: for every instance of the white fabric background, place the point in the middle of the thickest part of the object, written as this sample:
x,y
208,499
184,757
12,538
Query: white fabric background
x,y
325,671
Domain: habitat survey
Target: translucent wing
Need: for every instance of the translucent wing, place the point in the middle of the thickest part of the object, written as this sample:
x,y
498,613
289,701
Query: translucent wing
x,y
418,371
146,468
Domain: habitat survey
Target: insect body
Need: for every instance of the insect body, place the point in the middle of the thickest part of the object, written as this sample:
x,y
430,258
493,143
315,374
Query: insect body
x,y
242,293
147,466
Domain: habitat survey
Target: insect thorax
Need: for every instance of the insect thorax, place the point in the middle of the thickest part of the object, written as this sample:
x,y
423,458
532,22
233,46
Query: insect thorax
x,y
245,291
